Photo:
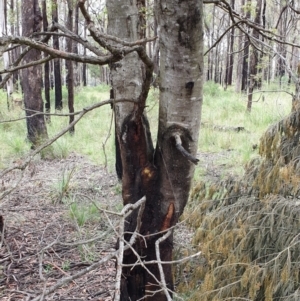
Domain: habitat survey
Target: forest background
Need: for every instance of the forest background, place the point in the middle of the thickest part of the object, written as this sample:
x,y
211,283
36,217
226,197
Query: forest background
x,y
251,78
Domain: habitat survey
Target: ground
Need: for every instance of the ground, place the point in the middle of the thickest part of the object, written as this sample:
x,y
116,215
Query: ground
x,y
55,206
36,217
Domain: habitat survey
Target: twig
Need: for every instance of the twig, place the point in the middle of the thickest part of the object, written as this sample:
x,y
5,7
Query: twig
x,y
106,139
183,151
68,279
121,244
167,262
41,266
160,268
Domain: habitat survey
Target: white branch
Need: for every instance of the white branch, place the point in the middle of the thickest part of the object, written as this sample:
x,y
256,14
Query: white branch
x,y
161,270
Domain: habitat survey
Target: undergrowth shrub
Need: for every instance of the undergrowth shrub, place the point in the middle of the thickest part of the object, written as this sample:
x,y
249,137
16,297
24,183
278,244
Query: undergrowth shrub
x,y
248,229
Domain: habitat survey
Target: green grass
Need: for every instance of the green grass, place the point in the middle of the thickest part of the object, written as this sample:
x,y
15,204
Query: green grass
x,y
62,186
220,108
91,132
82,214
228,109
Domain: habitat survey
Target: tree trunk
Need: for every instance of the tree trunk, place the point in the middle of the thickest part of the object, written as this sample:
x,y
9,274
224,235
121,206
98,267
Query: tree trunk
x,y
46,67
179,114
57,74
245,70
14,31
84,66
253,80
76,76
6,61
32,76
231,55
69,64
165,175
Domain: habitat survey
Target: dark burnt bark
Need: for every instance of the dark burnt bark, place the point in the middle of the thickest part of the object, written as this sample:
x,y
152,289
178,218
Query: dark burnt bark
x,y
164,175
229,72
69,65
84,67
76,76
57,73
32,76
46,66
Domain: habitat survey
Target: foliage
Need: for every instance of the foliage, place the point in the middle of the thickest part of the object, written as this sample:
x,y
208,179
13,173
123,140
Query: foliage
x,y
248,229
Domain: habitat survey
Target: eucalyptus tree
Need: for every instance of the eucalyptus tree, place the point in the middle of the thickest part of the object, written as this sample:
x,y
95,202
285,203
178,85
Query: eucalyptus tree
x,y
32,76
56,65
162,173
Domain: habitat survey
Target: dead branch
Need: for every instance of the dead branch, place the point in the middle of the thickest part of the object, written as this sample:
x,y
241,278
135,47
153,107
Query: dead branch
x,y
183,151
160,268
65,280
34,63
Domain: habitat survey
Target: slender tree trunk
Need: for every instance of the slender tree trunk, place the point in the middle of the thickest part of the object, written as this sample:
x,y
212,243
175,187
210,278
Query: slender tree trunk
x,y
69,80
6,60
213,51
84,70
14,31
32,76
46,67
245,70
75,48
231,55
57,73
254,58
227,58
84,67
282,27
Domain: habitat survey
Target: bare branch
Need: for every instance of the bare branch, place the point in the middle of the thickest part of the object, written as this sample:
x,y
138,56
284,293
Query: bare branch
x,y
221,36
121,243
160,268
183,151
33,63
102,38
79,40
68,279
